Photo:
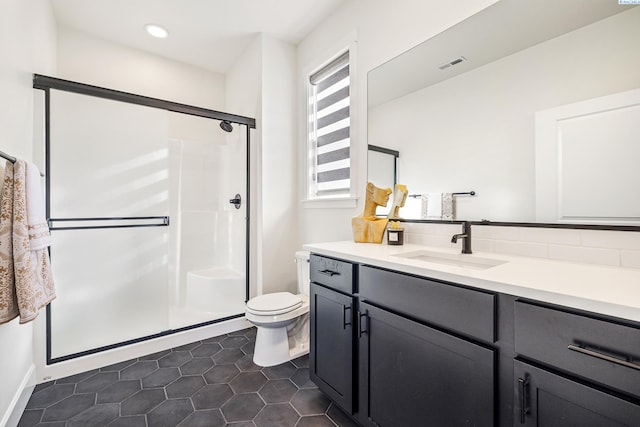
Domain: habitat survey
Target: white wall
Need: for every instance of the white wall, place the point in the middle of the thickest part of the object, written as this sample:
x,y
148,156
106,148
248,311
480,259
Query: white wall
x,y
384,29
27,43
90,60
480,131
261,84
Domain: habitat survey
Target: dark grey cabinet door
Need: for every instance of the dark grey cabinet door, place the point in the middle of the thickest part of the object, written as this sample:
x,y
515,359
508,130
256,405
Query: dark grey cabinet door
x,y
547,400
413,375
331,348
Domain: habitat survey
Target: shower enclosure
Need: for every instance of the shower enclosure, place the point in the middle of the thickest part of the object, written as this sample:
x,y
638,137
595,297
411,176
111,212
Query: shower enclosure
x,y
147,206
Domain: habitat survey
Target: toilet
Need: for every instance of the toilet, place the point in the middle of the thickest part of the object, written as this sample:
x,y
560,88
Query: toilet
x,y
282,320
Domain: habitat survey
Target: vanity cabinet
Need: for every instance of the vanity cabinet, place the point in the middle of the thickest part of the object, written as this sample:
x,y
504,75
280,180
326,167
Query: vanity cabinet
x,y
575,369
397,349
414,375
411,372
331,351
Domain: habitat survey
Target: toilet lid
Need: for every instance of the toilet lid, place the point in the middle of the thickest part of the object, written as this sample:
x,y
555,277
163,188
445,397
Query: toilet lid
x,y
274,303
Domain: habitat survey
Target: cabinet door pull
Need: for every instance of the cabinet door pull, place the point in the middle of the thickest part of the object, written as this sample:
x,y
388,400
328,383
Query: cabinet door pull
x,y
362,319
602,356
523,384
329,273
346,320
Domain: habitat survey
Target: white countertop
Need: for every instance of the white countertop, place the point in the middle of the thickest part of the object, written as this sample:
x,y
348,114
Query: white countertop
x,y
611,291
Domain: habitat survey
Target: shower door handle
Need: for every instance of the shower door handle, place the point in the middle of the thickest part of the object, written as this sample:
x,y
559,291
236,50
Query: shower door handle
x,y
236,201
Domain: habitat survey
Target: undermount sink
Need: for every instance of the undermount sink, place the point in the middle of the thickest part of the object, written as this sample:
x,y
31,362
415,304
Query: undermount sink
x,y
458,260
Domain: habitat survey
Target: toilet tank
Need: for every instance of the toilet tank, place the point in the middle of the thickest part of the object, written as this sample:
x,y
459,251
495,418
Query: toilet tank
x,y
302,263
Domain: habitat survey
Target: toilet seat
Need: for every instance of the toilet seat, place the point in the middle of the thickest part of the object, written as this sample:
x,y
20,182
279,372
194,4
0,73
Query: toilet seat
x,y
274,303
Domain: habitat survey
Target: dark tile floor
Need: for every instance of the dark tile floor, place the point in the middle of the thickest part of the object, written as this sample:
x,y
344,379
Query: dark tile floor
x,y
213,382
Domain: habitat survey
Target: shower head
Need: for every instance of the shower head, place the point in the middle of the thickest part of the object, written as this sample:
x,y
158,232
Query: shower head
x,y
226,126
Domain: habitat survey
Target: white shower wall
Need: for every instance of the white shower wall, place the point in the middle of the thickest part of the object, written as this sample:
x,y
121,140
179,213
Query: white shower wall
x,y
208,232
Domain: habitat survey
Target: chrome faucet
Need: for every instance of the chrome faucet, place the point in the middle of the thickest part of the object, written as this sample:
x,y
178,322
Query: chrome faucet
x,y
466,235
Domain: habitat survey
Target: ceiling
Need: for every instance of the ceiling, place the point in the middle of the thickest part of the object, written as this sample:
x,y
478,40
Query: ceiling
x,y
210,34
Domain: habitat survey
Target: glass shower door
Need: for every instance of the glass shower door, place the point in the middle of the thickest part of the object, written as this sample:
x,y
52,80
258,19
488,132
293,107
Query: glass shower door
x,y
109,218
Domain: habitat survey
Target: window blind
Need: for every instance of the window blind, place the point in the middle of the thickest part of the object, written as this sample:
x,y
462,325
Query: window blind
x,y
329,129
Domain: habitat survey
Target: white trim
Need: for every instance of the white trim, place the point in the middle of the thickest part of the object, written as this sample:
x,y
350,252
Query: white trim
x,y
20,399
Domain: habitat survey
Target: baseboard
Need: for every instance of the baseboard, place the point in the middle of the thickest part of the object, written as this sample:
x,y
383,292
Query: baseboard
x,y
20,399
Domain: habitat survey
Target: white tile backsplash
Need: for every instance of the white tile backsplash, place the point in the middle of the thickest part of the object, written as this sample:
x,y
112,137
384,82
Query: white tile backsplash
x,y
630,259
611,239
585,254
535,250
603,247
560,236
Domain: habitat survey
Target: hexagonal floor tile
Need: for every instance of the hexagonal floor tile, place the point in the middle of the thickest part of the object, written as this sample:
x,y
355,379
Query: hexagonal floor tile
x,y
161,377
132,421
221,374
50,395
284,370
196,366
96,415
301,379
315,421
228,356
118,392
97,382
142,402
250,347
247,382
69,407
278,391
281,415
170,413
246,364
174,359
234,342
185,386
138,370
211,396
242,407
206,350
206,418
302,361
310,401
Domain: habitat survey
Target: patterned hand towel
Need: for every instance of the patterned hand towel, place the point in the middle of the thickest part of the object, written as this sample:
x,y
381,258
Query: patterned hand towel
x,y
33,278
8,300
39,235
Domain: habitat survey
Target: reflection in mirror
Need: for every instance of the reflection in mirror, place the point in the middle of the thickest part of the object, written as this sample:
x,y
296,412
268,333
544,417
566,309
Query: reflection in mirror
x,y
383,170
477,119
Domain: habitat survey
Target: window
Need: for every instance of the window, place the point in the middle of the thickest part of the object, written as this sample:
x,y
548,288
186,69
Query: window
x,y
329,131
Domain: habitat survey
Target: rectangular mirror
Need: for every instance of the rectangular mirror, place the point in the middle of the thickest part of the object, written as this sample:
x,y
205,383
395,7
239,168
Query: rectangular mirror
x,y
461,108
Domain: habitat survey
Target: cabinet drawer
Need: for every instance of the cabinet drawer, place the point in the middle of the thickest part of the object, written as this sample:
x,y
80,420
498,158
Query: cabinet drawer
x,y
332,273
451,307
601,351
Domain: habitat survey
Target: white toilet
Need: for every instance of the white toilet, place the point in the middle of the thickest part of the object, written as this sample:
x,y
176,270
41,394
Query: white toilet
x,y
282,319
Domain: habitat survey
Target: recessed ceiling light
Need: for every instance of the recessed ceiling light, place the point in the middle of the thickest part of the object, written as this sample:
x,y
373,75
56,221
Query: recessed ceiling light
x,y
156,31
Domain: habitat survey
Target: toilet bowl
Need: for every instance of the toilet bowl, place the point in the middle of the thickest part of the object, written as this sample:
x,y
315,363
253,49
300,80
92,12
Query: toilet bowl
x,y
282,320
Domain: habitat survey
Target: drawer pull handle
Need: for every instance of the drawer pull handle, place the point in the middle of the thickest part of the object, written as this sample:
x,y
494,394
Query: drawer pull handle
x,y
362,319
603,356
523,384
329,273
346,320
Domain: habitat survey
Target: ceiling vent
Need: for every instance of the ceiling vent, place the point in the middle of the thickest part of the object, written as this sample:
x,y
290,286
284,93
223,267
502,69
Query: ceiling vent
x,y
456,61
